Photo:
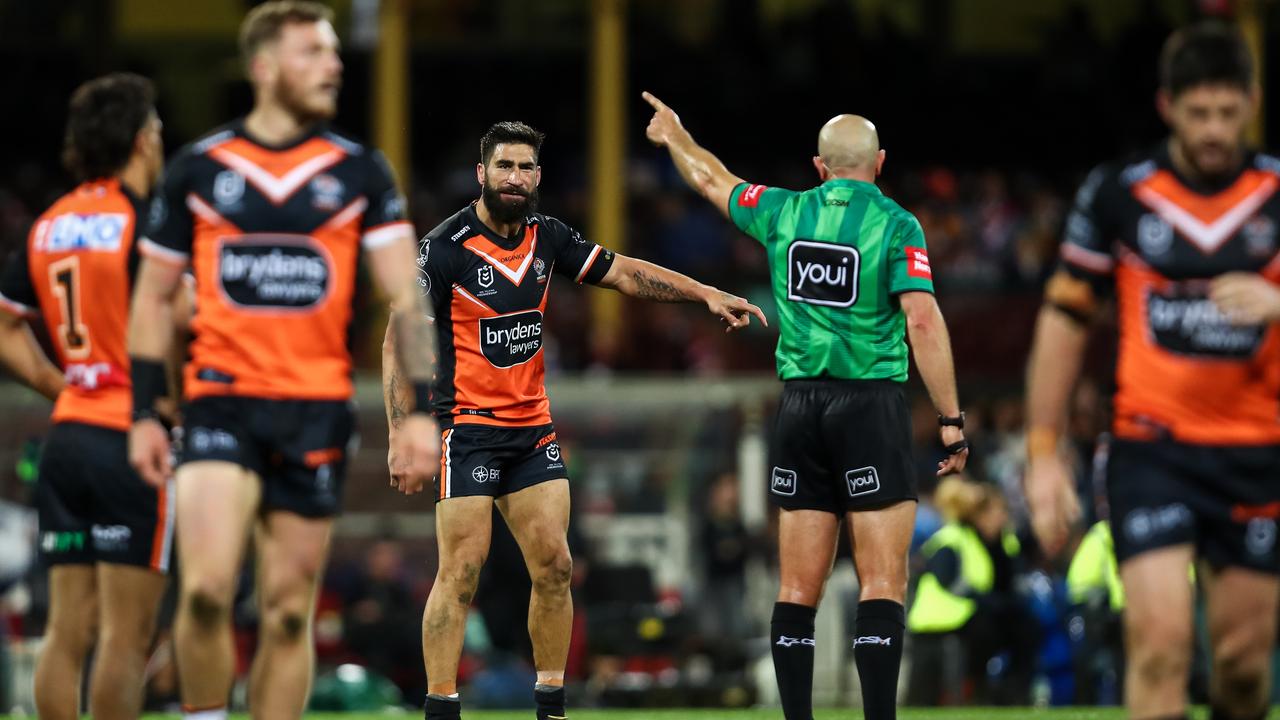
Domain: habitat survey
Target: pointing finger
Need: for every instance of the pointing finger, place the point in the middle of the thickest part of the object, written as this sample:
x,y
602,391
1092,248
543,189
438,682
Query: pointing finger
x,y
652,100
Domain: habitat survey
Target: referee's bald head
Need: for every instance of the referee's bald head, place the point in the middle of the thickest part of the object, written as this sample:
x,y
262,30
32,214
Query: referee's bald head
x,y
849,142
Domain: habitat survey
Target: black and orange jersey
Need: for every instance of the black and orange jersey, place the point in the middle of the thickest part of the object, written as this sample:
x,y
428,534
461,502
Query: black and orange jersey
x,y
1183,370
76,271
273,236
489,295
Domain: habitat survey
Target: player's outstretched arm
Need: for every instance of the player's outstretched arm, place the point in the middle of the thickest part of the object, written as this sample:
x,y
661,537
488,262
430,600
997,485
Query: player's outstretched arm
x,y
931,347
700,169
417,438
21,354
644,280
151,332
1057,353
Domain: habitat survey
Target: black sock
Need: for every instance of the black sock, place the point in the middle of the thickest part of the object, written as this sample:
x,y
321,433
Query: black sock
x,y
877,650
439,707
791,633
1217,714
550,701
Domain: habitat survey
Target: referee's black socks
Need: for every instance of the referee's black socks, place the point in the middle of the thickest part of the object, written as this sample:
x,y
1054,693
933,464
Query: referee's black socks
x,y
550,701
877,651
791,633
443,707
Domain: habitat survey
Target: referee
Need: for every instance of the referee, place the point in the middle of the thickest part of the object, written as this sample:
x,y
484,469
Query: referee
x,y
852,281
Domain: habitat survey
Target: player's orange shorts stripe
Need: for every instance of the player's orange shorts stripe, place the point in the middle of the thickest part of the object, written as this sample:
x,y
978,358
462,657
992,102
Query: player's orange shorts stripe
x,y
445,465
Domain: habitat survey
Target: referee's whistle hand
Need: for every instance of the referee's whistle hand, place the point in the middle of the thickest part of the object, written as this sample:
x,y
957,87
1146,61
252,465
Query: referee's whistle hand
x,y
149,452
956,461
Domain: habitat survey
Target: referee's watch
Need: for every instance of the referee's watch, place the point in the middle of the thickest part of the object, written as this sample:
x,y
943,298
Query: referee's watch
x,y
957,421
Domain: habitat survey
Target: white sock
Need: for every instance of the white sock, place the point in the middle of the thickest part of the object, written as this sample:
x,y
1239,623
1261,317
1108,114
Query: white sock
x,y
214,714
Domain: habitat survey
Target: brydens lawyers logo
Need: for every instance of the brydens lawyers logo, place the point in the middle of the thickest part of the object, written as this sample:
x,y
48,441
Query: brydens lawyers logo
x,y
751,196
784,482
918,263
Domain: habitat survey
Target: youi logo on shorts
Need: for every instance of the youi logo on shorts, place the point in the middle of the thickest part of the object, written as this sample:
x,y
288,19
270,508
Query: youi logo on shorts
x,y
279,272
510,340
783,482
822,273
862,481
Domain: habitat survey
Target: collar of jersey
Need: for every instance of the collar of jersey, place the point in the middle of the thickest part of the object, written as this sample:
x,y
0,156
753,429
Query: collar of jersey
x,y
314,131
502,242
850,182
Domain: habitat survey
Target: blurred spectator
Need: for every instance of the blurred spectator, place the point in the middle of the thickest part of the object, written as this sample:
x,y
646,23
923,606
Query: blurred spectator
x,y
381,617
966,612
725,546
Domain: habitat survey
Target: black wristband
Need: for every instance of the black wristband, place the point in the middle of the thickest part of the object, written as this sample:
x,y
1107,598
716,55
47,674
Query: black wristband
x,y
422,397
957,421
149,384
957,447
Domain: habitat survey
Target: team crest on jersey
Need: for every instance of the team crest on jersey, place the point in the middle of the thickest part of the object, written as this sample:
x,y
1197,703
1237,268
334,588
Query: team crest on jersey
x,y
1260,236
1155,236
540,267
228,187
326,192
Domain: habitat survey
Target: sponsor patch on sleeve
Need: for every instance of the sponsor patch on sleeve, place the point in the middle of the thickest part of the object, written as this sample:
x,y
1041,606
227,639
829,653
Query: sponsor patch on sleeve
x,y
751,196
918,263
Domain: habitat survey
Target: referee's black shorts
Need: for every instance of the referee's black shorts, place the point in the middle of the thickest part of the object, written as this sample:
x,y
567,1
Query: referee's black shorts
x,y
841,445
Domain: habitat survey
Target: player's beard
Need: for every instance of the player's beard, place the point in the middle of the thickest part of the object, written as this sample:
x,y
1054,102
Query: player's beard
x,y
508,211
297,102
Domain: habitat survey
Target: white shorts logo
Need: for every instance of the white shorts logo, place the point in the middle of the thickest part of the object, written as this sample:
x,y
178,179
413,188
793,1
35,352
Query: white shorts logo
x,y
1260,536
862,481
784,482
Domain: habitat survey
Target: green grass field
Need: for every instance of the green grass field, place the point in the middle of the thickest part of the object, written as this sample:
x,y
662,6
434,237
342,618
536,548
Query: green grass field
x,y
842,714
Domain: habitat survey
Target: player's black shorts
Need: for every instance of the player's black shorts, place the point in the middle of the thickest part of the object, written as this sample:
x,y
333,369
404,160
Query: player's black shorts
x,y
92,507
841,445
1223,500
496,461
299,448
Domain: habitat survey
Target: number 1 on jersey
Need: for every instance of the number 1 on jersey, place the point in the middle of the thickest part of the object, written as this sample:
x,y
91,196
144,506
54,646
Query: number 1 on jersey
x,y
64,280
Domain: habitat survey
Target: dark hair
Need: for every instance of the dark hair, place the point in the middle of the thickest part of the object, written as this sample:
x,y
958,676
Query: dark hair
x,y
104,118
262,25
1205,53
508,133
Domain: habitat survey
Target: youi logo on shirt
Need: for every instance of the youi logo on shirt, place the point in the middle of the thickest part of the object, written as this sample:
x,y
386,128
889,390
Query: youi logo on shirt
x,y
822,273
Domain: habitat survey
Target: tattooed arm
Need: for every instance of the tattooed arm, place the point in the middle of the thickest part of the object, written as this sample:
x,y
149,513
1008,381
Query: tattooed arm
x,y
644,280
410,348
396,392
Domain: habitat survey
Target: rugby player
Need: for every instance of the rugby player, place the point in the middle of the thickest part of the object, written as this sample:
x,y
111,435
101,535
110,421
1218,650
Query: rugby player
x,y
487,270
852,281
104,533
271,213
1196,450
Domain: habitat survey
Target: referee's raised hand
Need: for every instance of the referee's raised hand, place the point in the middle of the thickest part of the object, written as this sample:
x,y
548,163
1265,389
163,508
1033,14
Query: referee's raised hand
x,y
664,123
